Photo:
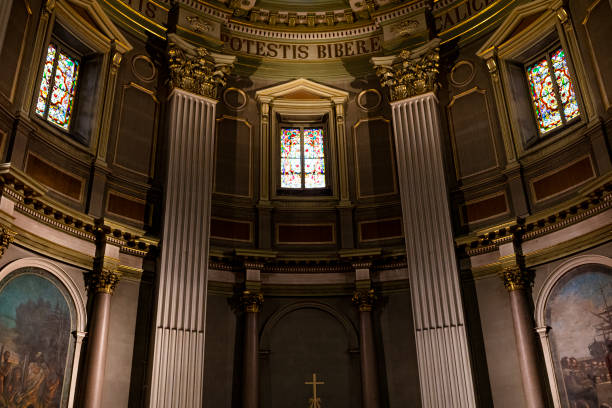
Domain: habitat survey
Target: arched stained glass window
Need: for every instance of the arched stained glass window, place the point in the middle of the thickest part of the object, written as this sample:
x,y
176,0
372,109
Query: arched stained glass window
x,y
57,89
302,158
552,91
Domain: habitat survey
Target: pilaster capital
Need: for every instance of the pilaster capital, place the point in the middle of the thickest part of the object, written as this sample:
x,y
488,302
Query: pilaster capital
x,y
7,236
364,299
517,278
195,69
103,281
411,73
251,302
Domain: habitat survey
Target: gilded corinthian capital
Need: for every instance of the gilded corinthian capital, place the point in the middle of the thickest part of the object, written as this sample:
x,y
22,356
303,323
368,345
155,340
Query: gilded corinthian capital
x,y
251,302
6,238
103,281
411,73
197,70
364,299
517,278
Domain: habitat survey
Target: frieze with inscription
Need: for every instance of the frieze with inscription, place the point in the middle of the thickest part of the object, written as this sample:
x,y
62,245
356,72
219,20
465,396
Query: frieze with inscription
x,y
284,51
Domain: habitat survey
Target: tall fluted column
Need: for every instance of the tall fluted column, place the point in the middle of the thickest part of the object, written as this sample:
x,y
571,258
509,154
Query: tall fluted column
x,y
251,303
364,300
445,372
101,282
518,281
178,353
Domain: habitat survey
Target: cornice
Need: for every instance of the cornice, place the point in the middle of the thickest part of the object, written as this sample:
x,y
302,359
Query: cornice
x,y
593,199
29,198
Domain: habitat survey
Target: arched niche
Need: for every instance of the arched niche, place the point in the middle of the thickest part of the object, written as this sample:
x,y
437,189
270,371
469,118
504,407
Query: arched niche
x,y
304,338
570,310
42,325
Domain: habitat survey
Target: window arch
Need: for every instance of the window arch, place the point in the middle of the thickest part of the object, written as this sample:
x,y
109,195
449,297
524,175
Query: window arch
x,y
42,319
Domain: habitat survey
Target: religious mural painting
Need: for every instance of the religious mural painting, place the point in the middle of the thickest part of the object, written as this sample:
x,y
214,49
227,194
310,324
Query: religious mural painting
x,y
36,321
579,313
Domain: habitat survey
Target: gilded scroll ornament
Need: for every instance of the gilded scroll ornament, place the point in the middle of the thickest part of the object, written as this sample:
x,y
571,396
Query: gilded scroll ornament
x,y
6,238
103,280
517,278
411,75
364,300
251,302
196,73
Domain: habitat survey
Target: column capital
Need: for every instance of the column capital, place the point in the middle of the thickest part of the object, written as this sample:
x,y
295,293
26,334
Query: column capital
x,y
411,72
517,278
195,69
364,299
7,236
102,279
251,301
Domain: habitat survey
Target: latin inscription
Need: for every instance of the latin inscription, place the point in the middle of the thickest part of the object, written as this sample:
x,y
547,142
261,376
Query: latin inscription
x,y
148,8
463,11
301,51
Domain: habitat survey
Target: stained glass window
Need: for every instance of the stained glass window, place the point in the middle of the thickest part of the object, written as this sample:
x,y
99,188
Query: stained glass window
x,y
57,87
552,91
302,158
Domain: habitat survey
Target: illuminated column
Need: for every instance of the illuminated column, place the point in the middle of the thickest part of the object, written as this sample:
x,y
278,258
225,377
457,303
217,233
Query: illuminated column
x,y
445,372
251,303
101,283
364,300
518,280
178,353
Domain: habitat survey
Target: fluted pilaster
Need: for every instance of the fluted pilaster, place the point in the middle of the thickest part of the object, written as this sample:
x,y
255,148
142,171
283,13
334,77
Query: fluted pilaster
x,y
178,361
445,372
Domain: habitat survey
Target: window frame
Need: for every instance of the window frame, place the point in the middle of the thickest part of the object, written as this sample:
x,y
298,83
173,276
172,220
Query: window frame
x,y
546,53
60,47
529,30
295,124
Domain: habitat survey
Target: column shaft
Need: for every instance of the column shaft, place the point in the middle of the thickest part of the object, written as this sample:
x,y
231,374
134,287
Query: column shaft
x,y
250,391
526,348
178,360
96,350
369,375
442,349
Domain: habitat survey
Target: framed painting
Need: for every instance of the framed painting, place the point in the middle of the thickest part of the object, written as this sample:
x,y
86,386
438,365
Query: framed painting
x,y
37,318
578,318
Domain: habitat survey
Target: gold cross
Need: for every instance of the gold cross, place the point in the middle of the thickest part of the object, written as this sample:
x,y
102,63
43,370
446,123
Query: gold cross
x,y
314,384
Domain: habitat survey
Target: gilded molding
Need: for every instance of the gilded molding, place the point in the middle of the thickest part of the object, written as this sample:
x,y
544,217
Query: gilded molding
x,y
6,238
364,299
251,302
517,278
411,73
196,71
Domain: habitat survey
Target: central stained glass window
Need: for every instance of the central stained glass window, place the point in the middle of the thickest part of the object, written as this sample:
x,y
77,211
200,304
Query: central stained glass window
x,y
302,153
552,91
57,87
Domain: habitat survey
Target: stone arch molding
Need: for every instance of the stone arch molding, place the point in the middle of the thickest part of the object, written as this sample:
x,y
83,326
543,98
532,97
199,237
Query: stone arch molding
x,y
540,312
77,298
351,332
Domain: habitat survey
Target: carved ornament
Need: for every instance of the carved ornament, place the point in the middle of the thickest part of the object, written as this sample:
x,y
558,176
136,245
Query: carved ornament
x,y
517,278
251,302
410,75
6,238
196,72
103,280
364,300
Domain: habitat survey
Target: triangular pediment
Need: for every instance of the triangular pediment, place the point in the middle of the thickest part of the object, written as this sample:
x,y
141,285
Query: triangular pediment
x,y
89,16
301,89
519,19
